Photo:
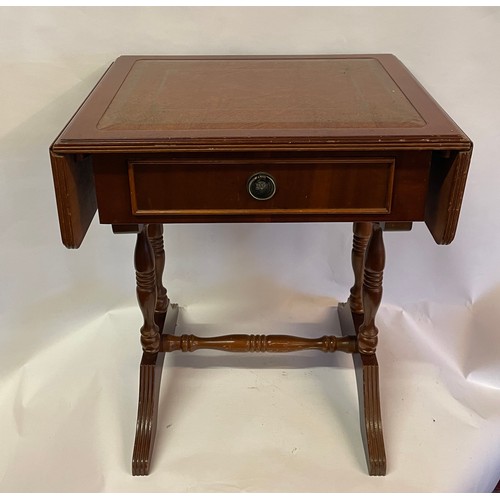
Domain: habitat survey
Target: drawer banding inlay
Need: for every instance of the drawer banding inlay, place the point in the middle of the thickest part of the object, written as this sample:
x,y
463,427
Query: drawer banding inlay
x,y
317,186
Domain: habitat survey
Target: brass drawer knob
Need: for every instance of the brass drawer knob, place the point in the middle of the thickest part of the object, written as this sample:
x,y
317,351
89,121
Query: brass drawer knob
x,y
261,186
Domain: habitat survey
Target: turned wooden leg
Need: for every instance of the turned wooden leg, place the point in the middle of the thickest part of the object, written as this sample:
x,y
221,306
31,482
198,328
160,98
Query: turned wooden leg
x,y
362,321
372,291
155,234
152,360
361,235
366,362
146,291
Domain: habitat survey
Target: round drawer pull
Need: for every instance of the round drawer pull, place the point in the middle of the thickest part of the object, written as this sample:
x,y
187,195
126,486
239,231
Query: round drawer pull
x,y
261,186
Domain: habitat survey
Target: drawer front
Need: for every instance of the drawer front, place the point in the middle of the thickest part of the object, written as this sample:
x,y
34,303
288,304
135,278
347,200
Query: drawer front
x,y
318,186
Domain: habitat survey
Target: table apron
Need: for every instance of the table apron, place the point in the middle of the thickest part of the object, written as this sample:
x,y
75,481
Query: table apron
x,y
137,189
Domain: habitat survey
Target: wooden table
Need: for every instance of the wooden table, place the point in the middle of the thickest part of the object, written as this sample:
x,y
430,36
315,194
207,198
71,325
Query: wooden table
x,y
260,139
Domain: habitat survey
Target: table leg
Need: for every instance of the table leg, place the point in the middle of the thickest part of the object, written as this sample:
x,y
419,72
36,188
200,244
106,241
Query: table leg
x,y
147,412
155,235
152,360
361,236
146,290
362,322
372,290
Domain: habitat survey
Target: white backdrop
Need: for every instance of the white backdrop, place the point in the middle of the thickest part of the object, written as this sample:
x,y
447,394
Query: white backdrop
x,y
69,322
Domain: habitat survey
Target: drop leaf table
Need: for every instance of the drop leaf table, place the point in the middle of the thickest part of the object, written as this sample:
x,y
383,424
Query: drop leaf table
x,y
204,139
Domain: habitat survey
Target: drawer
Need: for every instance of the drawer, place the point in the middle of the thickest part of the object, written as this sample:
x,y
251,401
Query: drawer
x,y
273,187
214,187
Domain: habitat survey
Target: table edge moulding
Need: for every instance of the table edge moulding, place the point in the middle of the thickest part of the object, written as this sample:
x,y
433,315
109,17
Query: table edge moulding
x,y
202,139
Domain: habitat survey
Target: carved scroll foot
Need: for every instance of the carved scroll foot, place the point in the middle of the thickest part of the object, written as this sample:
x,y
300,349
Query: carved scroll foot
x,y
149,395
147,413
366,367
367,377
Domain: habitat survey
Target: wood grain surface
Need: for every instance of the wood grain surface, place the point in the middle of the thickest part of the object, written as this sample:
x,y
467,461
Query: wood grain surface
x,y
222,102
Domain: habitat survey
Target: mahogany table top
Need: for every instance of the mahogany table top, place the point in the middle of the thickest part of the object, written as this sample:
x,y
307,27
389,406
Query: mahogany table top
x,y
200,102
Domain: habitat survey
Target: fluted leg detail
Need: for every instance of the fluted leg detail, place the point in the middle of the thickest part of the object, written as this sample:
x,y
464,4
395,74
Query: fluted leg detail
x,y
372,291
147,412
361,236
370,415
370,412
